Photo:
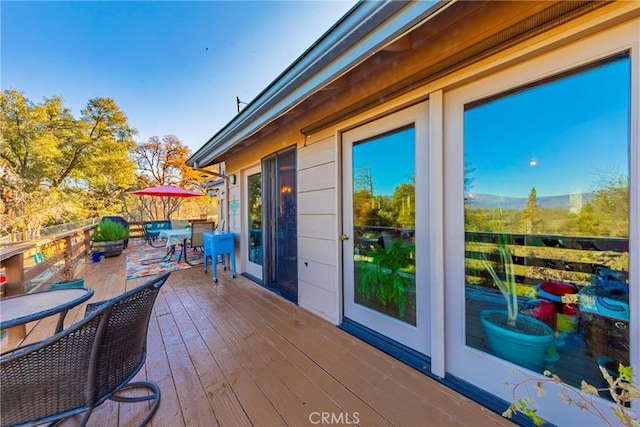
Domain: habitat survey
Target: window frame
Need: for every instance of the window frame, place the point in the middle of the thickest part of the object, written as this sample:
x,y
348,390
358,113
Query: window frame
x,y
472,365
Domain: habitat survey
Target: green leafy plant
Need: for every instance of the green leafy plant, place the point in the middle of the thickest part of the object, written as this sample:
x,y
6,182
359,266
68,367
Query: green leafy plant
x,y
505,281
381,278
621,388
109,231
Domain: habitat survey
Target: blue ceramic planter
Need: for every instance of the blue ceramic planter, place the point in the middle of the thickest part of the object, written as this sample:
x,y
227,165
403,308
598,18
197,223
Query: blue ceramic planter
x,y
77,283
515,346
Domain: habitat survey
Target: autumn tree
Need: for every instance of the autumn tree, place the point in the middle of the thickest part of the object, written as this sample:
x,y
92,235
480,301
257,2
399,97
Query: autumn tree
x,y
56,167
163,162
368,208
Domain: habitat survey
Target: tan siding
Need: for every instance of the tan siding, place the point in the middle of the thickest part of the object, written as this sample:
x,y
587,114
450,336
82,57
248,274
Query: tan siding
x,y
317,226
317,178
318,301
323,251
317,202
317,153
317,274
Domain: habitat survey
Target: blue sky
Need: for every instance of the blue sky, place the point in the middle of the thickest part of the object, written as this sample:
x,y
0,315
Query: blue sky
x,y
391,159
561,137
172,67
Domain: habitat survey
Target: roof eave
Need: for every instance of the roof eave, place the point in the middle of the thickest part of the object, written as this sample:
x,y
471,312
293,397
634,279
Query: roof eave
x,y
362,31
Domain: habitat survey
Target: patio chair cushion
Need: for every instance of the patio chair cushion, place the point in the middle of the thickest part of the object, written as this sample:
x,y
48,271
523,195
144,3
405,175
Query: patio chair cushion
x,y
153,228
196,240
177,224
197,228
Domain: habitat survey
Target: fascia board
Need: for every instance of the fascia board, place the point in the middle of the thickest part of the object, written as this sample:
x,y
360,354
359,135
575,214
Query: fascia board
x,y
364,30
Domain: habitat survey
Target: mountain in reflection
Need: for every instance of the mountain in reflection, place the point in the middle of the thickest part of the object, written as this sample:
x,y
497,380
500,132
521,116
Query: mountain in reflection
x,y
566,201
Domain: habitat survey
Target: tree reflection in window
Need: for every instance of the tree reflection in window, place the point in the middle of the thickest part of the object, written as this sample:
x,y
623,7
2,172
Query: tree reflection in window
x,y
547,169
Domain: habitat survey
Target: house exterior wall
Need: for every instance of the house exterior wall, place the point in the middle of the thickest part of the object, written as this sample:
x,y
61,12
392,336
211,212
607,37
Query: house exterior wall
x,y
319,193
318,163
318,261
235,200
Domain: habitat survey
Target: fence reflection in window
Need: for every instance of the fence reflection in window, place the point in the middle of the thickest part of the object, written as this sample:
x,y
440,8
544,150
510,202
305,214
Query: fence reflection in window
x,y
547,222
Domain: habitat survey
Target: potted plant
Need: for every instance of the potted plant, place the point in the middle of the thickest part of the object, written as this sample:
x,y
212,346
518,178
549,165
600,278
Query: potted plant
x,y
383,278
66,276
511,335
109,237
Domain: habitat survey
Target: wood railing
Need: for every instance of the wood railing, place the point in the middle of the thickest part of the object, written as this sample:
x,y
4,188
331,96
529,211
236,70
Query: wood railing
x,y
536,257
24,261
135,229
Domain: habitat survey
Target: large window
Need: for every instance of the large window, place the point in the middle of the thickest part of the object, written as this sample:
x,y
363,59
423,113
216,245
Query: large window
x,y
547,222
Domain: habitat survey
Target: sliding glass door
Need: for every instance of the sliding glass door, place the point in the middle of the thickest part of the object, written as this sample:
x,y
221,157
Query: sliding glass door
x,y
280,224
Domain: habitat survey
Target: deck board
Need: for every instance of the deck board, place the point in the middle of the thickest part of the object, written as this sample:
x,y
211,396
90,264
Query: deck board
x,y
254,403
381,389
235,354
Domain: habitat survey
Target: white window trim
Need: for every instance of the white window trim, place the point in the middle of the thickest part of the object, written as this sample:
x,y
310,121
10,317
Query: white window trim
x,y
417,115
244,217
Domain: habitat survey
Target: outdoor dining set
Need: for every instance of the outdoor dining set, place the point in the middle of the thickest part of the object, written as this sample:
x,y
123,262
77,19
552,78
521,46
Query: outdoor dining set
x,y
80,367
92,360
197,235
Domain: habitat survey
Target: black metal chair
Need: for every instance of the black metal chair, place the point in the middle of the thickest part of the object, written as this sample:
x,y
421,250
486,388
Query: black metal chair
x,y
79,368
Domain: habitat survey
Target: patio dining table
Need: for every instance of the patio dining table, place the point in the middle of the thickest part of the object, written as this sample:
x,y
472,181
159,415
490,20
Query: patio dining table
x,y
176,237
25,308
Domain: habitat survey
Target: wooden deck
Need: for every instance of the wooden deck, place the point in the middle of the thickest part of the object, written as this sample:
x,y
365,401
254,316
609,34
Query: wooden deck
x,y
234,354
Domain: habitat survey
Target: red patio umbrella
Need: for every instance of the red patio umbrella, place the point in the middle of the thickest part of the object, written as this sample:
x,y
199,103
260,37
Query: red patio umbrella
x,y
166,191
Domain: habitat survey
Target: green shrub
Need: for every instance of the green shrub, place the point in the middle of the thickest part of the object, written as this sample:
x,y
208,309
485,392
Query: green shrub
x,y
109,231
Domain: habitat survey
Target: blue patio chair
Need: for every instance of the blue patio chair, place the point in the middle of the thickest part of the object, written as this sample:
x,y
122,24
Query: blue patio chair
x,y
152,230
82,366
